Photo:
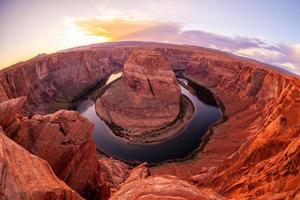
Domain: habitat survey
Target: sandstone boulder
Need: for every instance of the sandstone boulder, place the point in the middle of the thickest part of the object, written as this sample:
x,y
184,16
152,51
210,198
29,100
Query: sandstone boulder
x,y
147,97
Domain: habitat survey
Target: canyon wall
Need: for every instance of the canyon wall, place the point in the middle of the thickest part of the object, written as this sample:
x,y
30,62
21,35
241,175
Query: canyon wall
x,y
267,103
53,82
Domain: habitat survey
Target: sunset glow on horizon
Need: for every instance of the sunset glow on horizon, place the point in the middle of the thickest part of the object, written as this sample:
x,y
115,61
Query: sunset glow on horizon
x,y
268,31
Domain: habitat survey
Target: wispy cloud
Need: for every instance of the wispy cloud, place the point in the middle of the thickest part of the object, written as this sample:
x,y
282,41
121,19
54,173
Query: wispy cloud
x,y
124,29
118,29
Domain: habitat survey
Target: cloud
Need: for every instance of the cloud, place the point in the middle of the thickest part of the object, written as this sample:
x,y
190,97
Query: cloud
x,y
119,29
124,29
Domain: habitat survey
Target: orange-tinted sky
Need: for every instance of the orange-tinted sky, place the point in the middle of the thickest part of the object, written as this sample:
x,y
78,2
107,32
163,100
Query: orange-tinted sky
x,y
265,30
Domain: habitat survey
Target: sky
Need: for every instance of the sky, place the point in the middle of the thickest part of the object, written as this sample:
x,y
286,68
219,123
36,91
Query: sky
x,y
266,30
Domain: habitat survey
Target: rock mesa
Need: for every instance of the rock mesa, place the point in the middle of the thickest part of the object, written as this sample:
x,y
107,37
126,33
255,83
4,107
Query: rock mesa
x,y
147,98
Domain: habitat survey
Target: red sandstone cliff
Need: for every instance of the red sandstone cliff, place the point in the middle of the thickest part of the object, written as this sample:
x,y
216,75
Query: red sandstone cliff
x,y
25,176
52,82
63,139
263,106
262,131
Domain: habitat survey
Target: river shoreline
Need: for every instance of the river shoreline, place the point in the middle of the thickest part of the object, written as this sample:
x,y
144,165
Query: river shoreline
x,y
174,147
155,136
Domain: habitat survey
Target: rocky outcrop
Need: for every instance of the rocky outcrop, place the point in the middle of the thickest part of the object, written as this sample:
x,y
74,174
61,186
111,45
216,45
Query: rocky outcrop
x,y
267,165
10,109
161,187
25,176
141,185
64,140
138,173
148,97
114,171
148,74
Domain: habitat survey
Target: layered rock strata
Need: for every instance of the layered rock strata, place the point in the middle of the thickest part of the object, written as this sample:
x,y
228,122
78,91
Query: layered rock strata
x,y
53,82
64,140
147,98
267,164
25,176
66,135
254,153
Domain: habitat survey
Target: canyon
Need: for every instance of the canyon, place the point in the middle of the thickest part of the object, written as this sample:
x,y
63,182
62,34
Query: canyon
x,y
252,153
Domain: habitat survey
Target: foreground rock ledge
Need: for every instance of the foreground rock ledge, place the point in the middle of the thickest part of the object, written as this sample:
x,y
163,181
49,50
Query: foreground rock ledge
x,y
147,98
161,187
24,176
63,139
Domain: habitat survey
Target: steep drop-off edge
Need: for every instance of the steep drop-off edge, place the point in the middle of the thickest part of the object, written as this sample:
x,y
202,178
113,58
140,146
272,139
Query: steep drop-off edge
x,y
25,176
62,139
